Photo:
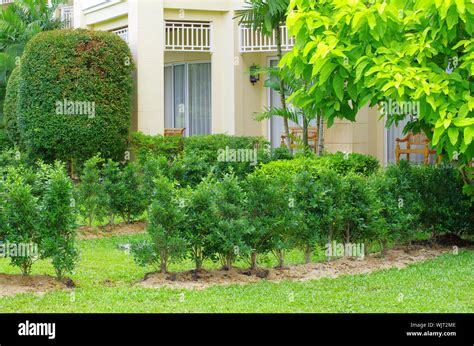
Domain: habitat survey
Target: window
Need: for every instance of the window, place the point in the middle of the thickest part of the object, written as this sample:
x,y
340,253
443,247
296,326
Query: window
x,y
188,97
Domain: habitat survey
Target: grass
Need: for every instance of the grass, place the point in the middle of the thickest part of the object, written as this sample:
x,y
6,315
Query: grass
x,y
105,277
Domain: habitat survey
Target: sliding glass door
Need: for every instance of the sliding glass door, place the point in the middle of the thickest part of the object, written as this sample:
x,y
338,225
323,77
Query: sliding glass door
x,y
188,97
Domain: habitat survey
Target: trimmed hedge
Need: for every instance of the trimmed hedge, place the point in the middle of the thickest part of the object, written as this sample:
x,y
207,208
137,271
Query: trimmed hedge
x,y
189,160
340,163
10,107
75,96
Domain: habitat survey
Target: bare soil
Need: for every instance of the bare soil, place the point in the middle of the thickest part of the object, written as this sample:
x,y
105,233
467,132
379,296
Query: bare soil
x,y
396,258
12,284
86,232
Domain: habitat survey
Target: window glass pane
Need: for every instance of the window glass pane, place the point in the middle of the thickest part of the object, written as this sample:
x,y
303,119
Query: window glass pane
x,y
199,91
169,119
179,96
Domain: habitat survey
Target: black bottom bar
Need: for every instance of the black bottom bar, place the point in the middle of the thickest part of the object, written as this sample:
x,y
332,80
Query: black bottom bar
x,y
241,329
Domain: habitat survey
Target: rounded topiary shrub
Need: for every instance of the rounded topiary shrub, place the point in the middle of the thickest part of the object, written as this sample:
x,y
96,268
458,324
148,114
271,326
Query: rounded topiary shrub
x,y
75,95
10,107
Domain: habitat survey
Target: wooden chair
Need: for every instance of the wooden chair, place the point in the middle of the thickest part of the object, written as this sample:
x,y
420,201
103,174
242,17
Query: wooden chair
x,y
296,138
174,132
421,144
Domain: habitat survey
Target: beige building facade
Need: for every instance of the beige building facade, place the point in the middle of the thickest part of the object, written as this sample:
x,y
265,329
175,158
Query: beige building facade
x,y
192,62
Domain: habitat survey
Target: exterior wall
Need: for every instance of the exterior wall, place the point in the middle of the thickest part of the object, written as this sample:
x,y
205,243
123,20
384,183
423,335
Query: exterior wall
x,y
234,98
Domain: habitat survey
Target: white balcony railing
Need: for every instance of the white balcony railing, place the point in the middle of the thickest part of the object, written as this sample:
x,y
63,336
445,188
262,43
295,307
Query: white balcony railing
x,y
188,36
254,41
5,2
122,33
67,16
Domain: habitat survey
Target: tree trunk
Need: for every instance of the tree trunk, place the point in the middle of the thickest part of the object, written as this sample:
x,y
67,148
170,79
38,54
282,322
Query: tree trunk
x,y
163,267
320,135
348,234
307,254
281,259
305,134
253,260
282,87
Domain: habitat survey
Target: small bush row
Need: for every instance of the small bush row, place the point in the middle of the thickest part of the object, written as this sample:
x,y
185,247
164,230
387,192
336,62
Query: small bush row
x,y
275,210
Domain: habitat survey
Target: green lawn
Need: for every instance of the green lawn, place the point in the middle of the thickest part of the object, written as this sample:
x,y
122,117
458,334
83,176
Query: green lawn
x,y
445,284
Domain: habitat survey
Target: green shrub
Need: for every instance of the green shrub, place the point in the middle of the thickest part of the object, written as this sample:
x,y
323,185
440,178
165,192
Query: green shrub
x,y
58,220
113,192
75,95
231,226
445,209
158,146
393,221
265,199
199,206
20,219
91,193
166,216
193,158
10,107
318,202
130,202
350,163
357,209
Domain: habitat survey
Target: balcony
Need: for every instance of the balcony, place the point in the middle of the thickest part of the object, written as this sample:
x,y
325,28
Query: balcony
x,y
188,36
254,41
67,16
122,33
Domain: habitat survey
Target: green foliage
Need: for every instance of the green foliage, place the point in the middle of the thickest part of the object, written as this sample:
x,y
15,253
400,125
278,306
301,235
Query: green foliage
x,y
10,107
350,163
37,211
357,209
58,219
91,193
165,219
191,159
75,95
20,218
130,201
231,227
318,199
393,220
420,51
339,162
444,207
200,209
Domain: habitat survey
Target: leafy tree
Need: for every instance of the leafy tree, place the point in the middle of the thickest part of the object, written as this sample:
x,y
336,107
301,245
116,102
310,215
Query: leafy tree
x,y
406,51
266,17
